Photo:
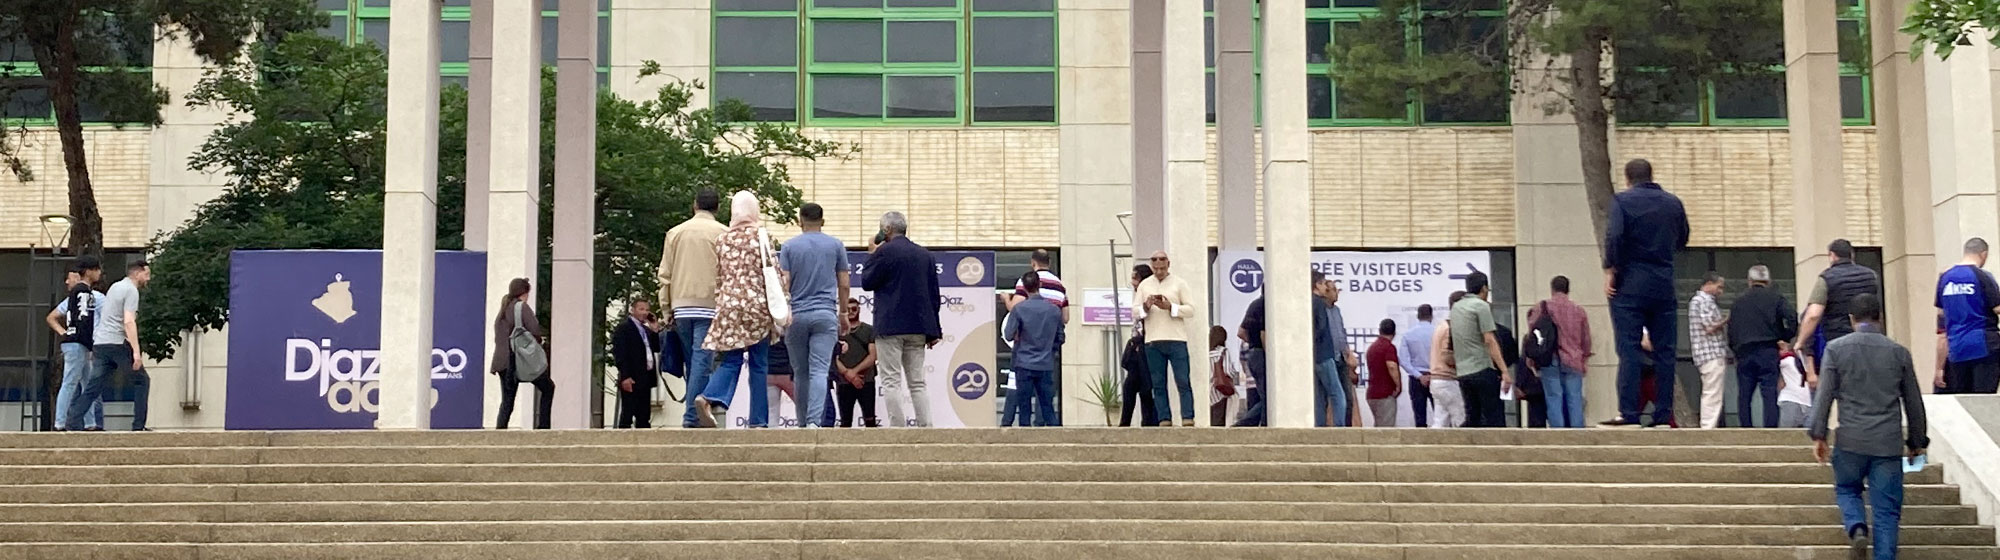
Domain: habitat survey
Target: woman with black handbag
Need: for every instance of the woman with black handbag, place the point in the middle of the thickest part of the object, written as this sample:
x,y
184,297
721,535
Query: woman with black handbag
x,y
1138,386
520,355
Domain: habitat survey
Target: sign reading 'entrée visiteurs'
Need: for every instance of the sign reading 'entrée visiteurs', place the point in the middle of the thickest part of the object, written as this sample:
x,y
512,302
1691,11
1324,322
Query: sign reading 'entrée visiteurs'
x,y
305,332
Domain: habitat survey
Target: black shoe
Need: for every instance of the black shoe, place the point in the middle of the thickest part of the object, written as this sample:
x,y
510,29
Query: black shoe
x,y
98,429
1618,422
1857,542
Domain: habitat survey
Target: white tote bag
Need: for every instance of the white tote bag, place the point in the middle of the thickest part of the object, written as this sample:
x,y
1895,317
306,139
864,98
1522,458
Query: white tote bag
x,y
776,298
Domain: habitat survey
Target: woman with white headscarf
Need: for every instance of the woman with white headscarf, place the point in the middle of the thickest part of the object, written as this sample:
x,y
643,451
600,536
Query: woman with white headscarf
x,y
743,327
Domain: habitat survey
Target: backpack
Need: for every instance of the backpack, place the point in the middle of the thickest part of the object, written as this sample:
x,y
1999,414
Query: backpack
x,y
529,361
1541,343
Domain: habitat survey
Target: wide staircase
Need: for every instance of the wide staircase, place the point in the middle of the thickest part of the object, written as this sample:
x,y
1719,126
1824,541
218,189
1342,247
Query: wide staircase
x,y
1152,494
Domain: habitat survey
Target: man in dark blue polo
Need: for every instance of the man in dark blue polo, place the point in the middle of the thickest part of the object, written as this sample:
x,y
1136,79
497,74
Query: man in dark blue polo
x,y
1646,228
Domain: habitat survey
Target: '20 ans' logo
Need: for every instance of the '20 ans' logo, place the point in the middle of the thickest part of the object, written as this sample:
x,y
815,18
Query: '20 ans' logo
x,y
971,381
1246,276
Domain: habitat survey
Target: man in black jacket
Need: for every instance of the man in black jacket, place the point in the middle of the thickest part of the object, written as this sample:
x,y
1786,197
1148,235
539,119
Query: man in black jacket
x,y
1760,325
632,348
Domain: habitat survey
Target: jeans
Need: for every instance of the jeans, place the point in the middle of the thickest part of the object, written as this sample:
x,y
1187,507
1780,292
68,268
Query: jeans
x,y
1757,373
722,382
1039,388
1482,399
1328,392
1420,401
1159,357
692,333
76,366
1019,402
1562,388
1630,314
852,397
810,342
1882,479
899,366
545,398
105,360
1253,412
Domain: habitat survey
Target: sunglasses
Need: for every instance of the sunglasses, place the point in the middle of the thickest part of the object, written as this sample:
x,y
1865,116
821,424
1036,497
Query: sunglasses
x,y
1159,259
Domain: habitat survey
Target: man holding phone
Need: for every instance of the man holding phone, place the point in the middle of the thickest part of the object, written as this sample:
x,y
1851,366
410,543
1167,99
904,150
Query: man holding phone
x,y
1875,382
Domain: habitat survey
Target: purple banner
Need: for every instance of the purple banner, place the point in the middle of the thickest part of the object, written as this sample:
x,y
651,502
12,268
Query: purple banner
x,y
305,328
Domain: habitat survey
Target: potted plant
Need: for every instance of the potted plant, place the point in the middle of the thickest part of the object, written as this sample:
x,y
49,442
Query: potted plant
x,y
1105,393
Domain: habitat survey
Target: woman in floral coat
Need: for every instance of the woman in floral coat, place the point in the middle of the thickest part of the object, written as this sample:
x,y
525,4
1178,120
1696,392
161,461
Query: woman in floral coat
x,y
743,328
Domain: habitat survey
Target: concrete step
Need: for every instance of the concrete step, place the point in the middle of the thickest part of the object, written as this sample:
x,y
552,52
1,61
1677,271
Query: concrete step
x,y
1262,436
948,529
848,453
987,549
390,511
1289,492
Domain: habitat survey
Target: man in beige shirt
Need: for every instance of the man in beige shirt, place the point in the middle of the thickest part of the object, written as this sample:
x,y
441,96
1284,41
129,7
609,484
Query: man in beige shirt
x,y
687,287
1443,379
1163,302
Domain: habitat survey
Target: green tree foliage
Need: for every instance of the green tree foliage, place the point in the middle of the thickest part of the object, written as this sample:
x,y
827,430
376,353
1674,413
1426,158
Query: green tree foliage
x,y
305,171
1942,25
1648,59
82,50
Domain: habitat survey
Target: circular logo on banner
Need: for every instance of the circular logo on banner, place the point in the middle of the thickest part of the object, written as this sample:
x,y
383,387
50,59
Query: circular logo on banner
x,y
970,271
971,381
1246,276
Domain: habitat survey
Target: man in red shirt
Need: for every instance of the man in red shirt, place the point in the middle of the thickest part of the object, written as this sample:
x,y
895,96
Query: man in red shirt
x,y
1385,379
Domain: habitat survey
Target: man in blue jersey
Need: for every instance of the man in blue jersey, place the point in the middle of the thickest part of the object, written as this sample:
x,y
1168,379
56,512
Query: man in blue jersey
x,y
1968,302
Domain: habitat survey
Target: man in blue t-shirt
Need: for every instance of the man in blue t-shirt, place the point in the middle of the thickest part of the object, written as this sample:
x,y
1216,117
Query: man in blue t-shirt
x,y
815,272
1968,302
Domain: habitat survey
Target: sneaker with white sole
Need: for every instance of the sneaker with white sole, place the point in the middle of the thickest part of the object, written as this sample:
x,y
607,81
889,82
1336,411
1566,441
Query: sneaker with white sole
x,y
704,413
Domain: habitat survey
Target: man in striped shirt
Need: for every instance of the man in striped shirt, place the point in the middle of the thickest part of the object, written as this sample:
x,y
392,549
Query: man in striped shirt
x,y
1052,287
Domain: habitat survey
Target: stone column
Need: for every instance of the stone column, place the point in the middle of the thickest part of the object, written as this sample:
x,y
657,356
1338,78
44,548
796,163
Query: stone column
x,y
1908,252
478,122
1549,195
1095,184
409,218
1236,124
1959,113
1183,73
1287,218
1149,149
513,224
1812,96
576,214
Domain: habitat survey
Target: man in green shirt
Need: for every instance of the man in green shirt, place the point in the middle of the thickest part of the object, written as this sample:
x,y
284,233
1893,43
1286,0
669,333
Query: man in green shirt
x,y
1477,350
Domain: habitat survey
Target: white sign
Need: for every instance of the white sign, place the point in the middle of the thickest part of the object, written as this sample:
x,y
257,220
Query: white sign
x,y
1373,286
1106,307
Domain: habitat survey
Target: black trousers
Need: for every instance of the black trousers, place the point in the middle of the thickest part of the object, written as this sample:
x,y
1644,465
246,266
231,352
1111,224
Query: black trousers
x,y
1482,399
1980,377
851,397
1138,390
635,407
509,385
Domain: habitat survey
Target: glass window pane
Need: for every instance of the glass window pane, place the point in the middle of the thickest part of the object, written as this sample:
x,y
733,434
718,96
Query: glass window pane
x,y
1346,107
839,95
1319,35
1653,98
1319,97
332,5
1356,3
1853,98
1317,3
757,5
454,38
1208,80
1013,5
376,31
760,41
375,3
1014,97
1851,40
923,3
1754,96
1208,40
336,28
1478,103
29,99
462,82
847,40
772,96
604,41
549,28
847,3
16,50
923,96
1009,41
923,41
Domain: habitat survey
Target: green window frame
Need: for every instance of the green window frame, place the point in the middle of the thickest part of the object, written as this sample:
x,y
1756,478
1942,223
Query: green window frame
x,y
878,83
357,21
26,99
1324,21
1711,106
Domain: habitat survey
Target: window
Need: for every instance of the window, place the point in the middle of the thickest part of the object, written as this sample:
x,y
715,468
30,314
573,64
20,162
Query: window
x,y
121,64
356,21
877,62
1748,98
1330,22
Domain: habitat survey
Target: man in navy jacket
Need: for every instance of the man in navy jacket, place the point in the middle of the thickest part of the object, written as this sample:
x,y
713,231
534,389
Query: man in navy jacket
x,y
1647,228
904,278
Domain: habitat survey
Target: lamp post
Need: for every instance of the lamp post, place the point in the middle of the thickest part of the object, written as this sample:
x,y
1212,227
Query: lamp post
x,y
55,234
